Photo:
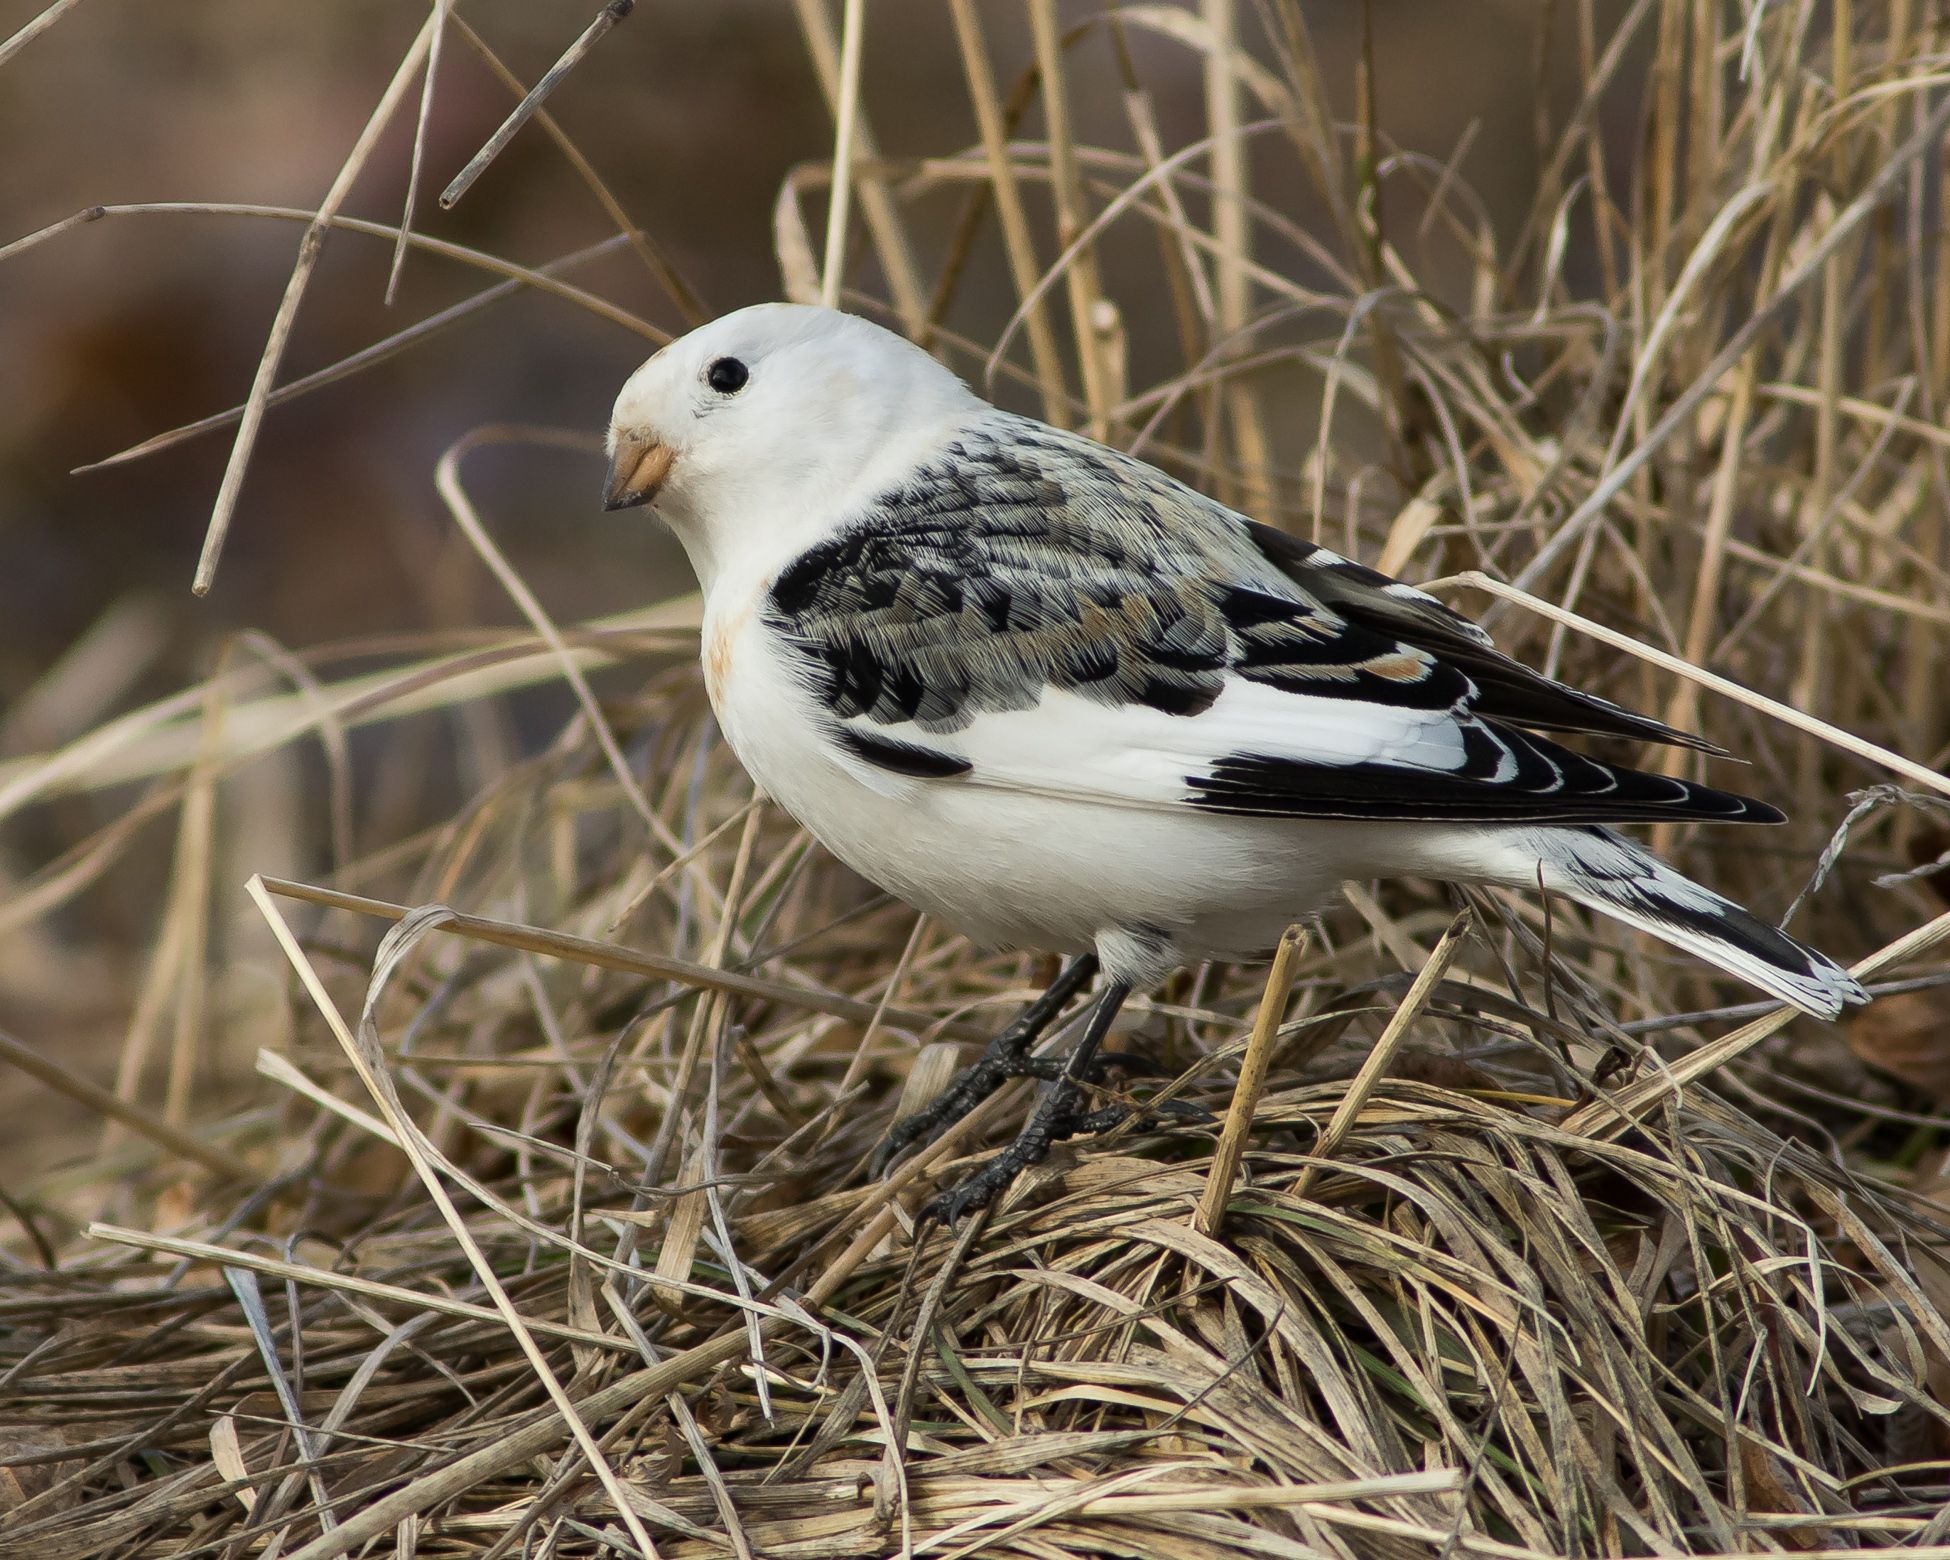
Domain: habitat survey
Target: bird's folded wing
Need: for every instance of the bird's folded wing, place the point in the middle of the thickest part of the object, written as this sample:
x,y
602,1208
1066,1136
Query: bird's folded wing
x,y
1035,613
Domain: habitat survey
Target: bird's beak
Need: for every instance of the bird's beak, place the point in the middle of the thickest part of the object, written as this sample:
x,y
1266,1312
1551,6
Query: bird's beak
x,y
637,471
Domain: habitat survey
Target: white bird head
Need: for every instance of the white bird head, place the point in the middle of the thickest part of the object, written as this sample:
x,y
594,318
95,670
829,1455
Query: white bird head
x,y
772,418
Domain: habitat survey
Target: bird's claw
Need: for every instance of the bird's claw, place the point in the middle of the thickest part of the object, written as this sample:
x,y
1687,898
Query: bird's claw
x,y
1007,1056
969,1088
949,1208
1059,1116
978,1081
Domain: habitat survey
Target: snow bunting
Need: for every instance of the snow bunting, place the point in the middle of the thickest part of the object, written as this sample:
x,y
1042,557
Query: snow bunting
x,y
1061,701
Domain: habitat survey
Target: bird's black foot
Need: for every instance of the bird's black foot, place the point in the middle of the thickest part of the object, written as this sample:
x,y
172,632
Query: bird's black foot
x,y
1006,1057
1067,1119
1058,1115
977,1082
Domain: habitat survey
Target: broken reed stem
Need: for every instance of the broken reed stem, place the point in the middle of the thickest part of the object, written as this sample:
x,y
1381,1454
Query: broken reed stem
x,y
530,105
1252,1081
1378,1060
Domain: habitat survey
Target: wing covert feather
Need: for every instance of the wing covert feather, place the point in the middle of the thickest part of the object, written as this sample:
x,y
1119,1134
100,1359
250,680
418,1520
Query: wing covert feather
x,y
1031,610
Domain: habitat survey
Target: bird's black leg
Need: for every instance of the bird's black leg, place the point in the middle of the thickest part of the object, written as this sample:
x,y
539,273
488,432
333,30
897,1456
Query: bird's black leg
x,y
1006,1057
1059,1114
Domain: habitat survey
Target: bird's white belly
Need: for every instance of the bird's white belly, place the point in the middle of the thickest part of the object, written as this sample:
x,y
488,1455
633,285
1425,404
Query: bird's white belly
x,y
1011,868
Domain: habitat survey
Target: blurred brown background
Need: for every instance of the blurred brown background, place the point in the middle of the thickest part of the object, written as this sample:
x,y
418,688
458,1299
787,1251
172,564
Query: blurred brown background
x,y
693,114
118,330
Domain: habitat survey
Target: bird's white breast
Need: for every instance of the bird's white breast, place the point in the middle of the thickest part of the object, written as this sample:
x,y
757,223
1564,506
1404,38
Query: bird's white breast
x,y
1007,867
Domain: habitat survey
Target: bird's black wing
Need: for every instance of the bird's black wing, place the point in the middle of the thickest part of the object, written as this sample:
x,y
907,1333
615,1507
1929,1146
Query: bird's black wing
x,y
1507,689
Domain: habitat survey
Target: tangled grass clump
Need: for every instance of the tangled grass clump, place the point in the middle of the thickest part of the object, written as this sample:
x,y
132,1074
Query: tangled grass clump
x,y
1492,1315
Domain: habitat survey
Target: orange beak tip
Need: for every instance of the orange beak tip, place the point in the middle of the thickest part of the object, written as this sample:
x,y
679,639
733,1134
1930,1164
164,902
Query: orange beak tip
x,y
636,473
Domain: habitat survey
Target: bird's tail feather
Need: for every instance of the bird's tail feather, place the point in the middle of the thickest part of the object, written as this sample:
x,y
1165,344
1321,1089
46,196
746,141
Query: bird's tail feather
x,y
1618,877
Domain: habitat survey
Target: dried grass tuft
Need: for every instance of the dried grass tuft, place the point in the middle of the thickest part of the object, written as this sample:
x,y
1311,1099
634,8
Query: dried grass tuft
x,y
542,1225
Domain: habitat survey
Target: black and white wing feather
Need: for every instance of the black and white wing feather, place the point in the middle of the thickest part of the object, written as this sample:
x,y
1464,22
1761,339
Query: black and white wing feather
x,y
1507,690
1034,612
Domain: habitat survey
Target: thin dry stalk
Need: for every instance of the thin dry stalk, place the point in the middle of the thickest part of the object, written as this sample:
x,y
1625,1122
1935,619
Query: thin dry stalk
x,y
1785,713
583,951
443,11
1383,1053
27,33
310,247
19,1054
531,104
846,118
1252,1082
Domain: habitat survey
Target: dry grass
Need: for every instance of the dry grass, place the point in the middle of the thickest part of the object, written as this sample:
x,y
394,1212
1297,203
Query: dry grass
x,y
544,1227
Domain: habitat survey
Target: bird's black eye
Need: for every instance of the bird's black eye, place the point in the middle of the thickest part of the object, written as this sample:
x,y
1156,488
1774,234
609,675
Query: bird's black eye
x,y
727,376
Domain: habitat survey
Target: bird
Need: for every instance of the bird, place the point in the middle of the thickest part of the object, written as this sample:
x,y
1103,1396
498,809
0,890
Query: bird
x,y
1061,701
